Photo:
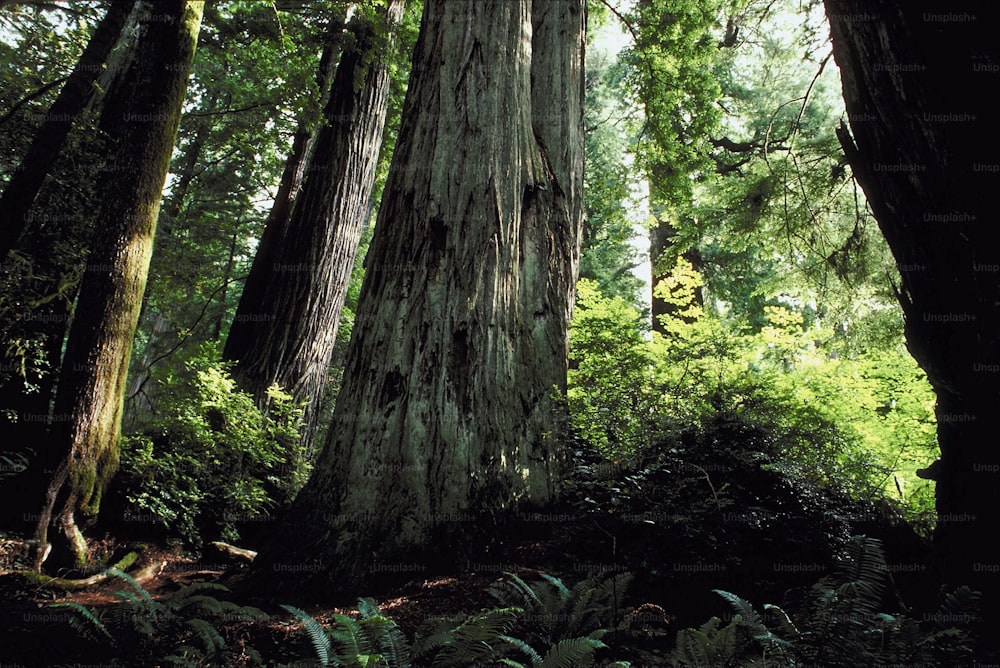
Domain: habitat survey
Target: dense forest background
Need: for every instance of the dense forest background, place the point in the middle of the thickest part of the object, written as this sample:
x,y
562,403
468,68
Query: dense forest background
x,y
535,321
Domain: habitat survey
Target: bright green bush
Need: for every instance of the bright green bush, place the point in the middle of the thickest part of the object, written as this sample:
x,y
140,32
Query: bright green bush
x,y
210,460
863,421
612,396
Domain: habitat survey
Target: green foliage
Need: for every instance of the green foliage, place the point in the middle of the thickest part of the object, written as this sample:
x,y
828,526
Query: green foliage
x,y
478,638
85,622
864,422
183,630
211,461
606,253
611,394
372,640
567,622
838,623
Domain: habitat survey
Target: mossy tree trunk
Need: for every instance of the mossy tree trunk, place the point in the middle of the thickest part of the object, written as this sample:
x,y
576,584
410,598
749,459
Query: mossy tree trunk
x,y
88,407
916,77
445,420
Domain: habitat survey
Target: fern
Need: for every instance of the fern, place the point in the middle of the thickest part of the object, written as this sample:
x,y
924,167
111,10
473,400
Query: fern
x,y
556,612
317,634
523,647
474,639
85,622
708,645
840,624
571,652
387,639
353,644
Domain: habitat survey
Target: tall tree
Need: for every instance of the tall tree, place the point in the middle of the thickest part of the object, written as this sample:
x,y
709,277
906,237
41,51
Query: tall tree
x,y
41,280
913,78
673,76
20,193
286,324
92,382
445,418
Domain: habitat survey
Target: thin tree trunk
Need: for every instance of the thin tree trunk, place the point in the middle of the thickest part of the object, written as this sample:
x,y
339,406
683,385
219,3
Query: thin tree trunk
x,y
27,179
445,421
287,336
913,76
88,408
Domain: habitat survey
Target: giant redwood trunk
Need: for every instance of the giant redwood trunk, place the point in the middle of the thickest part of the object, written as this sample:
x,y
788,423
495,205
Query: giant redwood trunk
x,y
445,420
286,336
915,76
20,193
88,406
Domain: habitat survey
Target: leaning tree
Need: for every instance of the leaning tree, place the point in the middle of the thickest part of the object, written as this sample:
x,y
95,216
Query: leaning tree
x,y
286,324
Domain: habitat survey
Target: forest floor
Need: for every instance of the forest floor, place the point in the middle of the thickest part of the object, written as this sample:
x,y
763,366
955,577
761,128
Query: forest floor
x,y
752,530
673,597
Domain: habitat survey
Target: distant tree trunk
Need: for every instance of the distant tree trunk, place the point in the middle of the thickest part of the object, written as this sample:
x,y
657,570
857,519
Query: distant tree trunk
x,y
914,75
87,419
242,330
20,193
287,336
445,420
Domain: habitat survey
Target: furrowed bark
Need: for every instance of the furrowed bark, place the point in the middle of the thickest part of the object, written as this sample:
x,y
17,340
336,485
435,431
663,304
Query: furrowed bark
x,y
444,425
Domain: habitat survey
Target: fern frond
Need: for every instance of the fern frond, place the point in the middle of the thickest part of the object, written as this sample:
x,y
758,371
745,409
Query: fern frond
x,y
747,615
130,581
561,588
473,639
863,574
524,647
783,622
387,638
317,634
523,593
84,621
211,639
571,652
960,606
504,661
367,608
350,639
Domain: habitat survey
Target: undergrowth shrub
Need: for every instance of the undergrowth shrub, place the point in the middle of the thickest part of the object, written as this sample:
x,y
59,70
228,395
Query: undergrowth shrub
x,y
188,628
864,424
209,460
545,624
839,621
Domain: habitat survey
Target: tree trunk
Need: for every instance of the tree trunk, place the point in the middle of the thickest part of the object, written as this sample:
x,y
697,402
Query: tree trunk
x,y
27,179
445,420
87,419
287,336
242,331
43,284
913,78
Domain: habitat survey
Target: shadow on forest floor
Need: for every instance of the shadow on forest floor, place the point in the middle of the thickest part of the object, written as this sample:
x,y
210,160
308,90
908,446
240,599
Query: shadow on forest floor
x,y
756,533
